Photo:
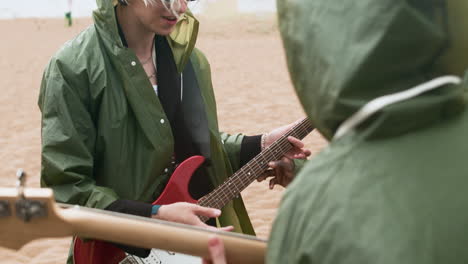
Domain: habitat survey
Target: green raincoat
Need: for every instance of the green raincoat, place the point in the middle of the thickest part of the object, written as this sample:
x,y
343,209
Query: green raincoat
x,y
105,135
394,189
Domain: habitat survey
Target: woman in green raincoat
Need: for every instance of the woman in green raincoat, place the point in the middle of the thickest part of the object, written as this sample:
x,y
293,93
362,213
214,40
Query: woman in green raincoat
x,y
126,101
384,81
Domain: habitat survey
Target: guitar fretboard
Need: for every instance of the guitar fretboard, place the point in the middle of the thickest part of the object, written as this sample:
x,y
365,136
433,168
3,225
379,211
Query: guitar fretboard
x,y
235,184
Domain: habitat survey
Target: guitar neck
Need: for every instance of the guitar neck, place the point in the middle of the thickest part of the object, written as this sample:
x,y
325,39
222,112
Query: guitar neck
x,y
235,184
50,220
150,233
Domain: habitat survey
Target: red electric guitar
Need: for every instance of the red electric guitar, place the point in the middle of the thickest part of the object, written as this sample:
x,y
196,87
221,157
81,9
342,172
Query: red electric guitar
x,y
100,252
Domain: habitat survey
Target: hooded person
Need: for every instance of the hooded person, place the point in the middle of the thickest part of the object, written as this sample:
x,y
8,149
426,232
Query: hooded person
x,y
383,81
126,101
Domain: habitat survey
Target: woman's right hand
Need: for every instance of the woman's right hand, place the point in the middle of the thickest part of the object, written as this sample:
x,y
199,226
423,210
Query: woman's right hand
x,y
187,213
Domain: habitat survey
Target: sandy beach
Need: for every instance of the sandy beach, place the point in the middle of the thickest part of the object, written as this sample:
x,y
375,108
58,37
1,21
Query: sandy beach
x,y
252,87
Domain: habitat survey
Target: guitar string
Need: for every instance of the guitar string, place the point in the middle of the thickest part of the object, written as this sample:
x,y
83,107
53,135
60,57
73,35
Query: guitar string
x,y
302,129
224,197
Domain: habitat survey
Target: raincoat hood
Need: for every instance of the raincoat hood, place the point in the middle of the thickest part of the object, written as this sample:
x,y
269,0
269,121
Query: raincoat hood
x,y
340,57
392,189
182,40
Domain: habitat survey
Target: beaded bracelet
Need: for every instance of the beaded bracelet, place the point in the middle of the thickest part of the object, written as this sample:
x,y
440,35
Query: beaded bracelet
x,y
262,141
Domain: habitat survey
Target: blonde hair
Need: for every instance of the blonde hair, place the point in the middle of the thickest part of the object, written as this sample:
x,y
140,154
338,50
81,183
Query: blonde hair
x,y
171,5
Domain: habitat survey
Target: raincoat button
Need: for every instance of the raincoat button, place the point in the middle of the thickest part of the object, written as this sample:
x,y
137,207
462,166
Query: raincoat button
x,y
162,121
133,63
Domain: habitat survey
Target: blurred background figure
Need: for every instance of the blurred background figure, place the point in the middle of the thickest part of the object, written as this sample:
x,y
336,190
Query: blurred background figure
x,y
68,14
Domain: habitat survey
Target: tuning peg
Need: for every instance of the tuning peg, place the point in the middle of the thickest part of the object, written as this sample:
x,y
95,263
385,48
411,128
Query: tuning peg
x,y
20,182
27,209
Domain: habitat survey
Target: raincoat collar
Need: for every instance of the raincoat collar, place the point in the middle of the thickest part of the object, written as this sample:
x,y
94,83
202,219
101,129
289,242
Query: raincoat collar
x,y
182,40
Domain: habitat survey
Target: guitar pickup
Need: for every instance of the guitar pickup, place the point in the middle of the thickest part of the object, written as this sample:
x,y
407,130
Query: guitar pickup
x,y
5,209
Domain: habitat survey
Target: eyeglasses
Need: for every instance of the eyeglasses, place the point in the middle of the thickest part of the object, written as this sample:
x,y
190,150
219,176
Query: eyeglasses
x,y
169,1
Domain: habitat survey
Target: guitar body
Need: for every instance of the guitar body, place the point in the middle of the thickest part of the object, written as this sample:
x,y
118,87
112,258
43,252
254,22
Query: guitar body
x,y
95,252
176,190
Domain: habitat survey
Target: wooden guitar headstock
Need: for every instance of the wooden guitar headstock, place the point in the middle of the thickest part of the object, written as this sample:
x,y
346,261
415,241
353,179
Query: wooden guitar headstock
x,y
28,214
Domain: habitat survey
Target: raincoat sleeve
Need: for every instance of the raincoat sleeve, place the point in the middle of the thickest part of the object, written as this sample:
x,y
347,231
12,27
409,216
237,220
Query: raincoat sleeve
x,y
232,145
298,165
68,139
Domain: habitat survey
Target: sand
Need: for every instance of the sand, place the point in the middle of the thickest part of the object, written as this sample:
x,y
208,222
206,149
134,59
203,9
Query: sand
x,y
252,87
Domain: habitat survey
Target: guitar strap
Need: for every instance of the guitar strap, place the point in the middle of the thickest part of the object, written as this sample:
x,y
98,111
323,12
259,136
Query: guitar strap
x,y
185,109
194,113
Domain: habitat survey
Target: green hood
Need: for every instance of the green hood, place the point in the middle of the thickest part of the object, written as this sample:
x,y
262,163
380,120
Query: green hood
x,y
182,40
341,56
394,190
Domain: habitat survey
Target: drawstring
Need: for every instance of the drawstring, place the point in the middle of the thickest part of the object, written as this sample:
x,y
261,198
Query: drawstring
x,y
377,104
181,86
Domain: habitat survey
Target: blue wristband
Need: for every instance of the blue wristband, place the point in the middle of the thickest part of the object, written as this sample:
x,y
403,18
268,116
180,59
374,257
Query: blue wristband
x,y
154,209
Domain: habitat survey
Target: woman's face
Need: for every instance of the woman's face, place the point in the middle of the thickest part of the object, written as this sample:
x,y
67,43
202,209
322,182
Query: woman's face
x,y
157,18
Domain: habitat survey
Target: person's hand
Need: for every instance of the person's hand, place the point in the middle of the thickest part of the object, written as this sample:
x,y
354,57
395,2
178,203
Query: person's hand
x,y
217,253
297,151
282,170
187,213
